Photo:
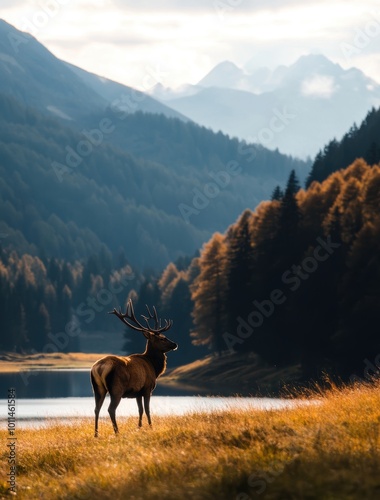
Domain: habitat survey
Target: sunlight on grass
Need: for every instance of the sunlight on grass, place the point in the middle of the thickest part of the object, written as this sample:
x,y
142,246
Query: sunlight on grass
x,y
328,450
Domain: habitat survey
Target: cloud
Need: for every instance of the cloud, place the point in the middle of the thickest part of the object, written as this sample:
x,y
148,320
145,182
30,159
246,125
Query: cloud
x,y
321,86
12,3
122,38
210,6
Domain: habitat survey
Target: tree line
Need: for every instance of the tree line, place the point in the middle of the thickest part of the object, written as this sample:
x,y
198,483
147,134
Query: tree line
x,y
297,281
70,193
45,303
358,142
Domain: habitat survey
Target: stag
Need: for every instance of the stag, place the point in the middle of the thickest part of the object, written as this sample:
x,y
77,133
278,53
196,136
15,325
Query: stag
x,y
132,376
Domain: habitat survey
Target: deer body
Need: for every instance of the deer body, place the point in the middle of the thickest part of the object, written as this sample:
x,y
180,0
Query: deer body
x,y
131,376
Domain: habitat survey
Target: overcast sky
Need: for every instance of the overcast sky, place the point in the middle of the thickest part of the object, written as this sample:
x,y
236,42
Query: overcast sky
x,y
139,43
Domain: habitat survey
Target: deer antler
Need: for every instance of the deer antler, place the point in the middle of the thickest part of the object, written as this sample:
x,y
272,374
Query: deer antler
x,y
130,315
157,328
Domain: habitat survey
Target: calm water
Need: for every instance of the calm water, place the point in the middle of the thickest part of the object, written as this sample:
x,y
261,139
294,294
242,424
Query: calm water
x,y
47,383
39,412
65,394
61,383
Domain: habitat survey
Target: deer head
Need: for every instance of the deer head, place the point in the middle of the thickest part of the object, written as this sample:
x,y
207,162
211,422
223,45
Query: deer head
x,y
154,335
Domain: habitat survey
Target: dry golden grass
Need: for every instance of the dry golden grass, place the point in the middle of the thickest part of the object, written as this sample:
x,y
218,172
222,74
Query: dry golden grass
x,y
329,450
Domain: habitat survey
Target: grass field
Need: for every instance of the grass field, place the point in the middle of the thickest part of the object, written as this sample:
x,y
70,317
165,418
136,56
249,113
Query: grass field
x,y
329,450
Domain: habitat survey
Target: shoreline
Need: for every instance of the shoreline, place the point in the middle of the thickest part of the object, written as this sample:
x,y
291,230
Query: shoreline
x,y
242,375
12,362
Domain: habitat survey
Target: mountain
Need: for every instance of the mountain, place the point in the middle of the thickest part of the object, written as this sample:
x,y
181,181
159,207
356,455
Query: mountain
x,y
297,109
31,74
112,179
122,96
35,77
226,72
227,75
55,199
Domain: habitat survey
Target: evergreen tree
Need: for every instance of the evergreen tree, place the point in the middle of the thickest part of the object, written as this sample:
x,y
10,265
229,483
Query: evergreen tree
x,y
208,295
289,218
239,270
277,194
179,311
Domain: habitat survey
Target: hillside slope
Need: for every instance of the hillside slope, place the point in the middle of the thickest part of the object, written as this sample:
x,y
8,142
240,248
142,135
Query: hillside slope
x,y
122,96
70,202
242,374
358,142
34,76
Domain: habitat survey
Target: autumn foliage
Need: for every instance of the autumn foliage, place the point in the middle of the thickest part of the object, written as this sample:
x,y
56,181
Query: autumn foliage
x,y
298,279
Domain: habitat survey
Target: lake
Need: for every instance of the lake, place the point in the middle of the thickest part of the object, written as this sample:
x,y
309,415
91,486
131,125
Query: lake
x,y
67,394
40,412
62,383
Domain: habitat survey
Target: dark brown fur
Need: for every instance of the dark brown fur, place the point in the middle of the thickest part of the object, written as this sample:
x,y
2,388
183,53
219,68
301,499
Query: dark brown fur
x,y
130,377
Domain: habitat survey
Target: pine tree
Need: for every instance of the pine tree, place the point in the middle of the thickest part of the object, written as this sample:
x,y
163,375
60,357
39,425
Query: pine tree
x,y
239,270
208,295
277,194
289,218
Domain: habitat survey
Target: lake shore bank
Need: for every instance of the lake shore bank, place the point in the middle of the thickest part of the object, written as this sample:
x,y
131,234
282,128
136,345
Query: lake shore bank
x,y
218,376
15,362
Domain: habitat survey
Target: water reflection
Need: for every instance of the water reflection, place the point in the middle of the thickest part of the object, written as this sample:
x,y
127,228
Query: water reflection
x,y
56,384
48,383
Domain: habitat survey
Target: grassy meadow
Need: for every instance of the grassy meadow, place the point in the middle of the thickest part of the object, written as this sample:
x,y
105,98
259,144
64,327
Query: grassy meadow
x,y
327,450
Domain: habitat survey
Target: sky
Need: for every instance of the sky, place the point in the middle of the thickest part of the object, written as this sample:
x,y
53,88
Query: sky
x,y
172,42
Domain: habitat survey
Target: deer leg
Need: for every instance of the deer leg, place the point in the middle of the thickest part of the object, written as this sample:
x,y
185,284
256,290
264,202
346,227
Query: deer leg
x,y
141,411
99,399
147,407
115,400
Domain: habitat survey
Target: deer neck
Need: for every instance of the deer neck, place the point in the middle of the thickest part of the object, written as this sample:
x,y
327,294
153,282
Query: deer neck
x,y
157,358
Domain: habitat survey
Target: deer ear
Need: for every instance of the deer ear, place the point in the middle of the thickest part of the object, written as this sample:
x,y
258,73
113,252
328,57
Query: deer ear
x,y
146,334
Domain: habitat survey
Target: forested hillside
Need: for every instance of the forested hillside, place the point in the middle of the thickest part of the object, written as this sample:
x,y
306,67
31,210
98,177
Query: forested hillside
x,y
358,142
46,303
66,138
48,207
55,201
297,281
94,208
82,199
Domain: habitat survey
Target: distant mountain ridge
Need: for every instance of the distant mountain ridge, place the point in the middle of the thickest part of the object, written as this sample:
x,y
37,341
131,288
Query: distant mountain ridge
x,y
323,99
122,96
108,177
227,75
34,76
